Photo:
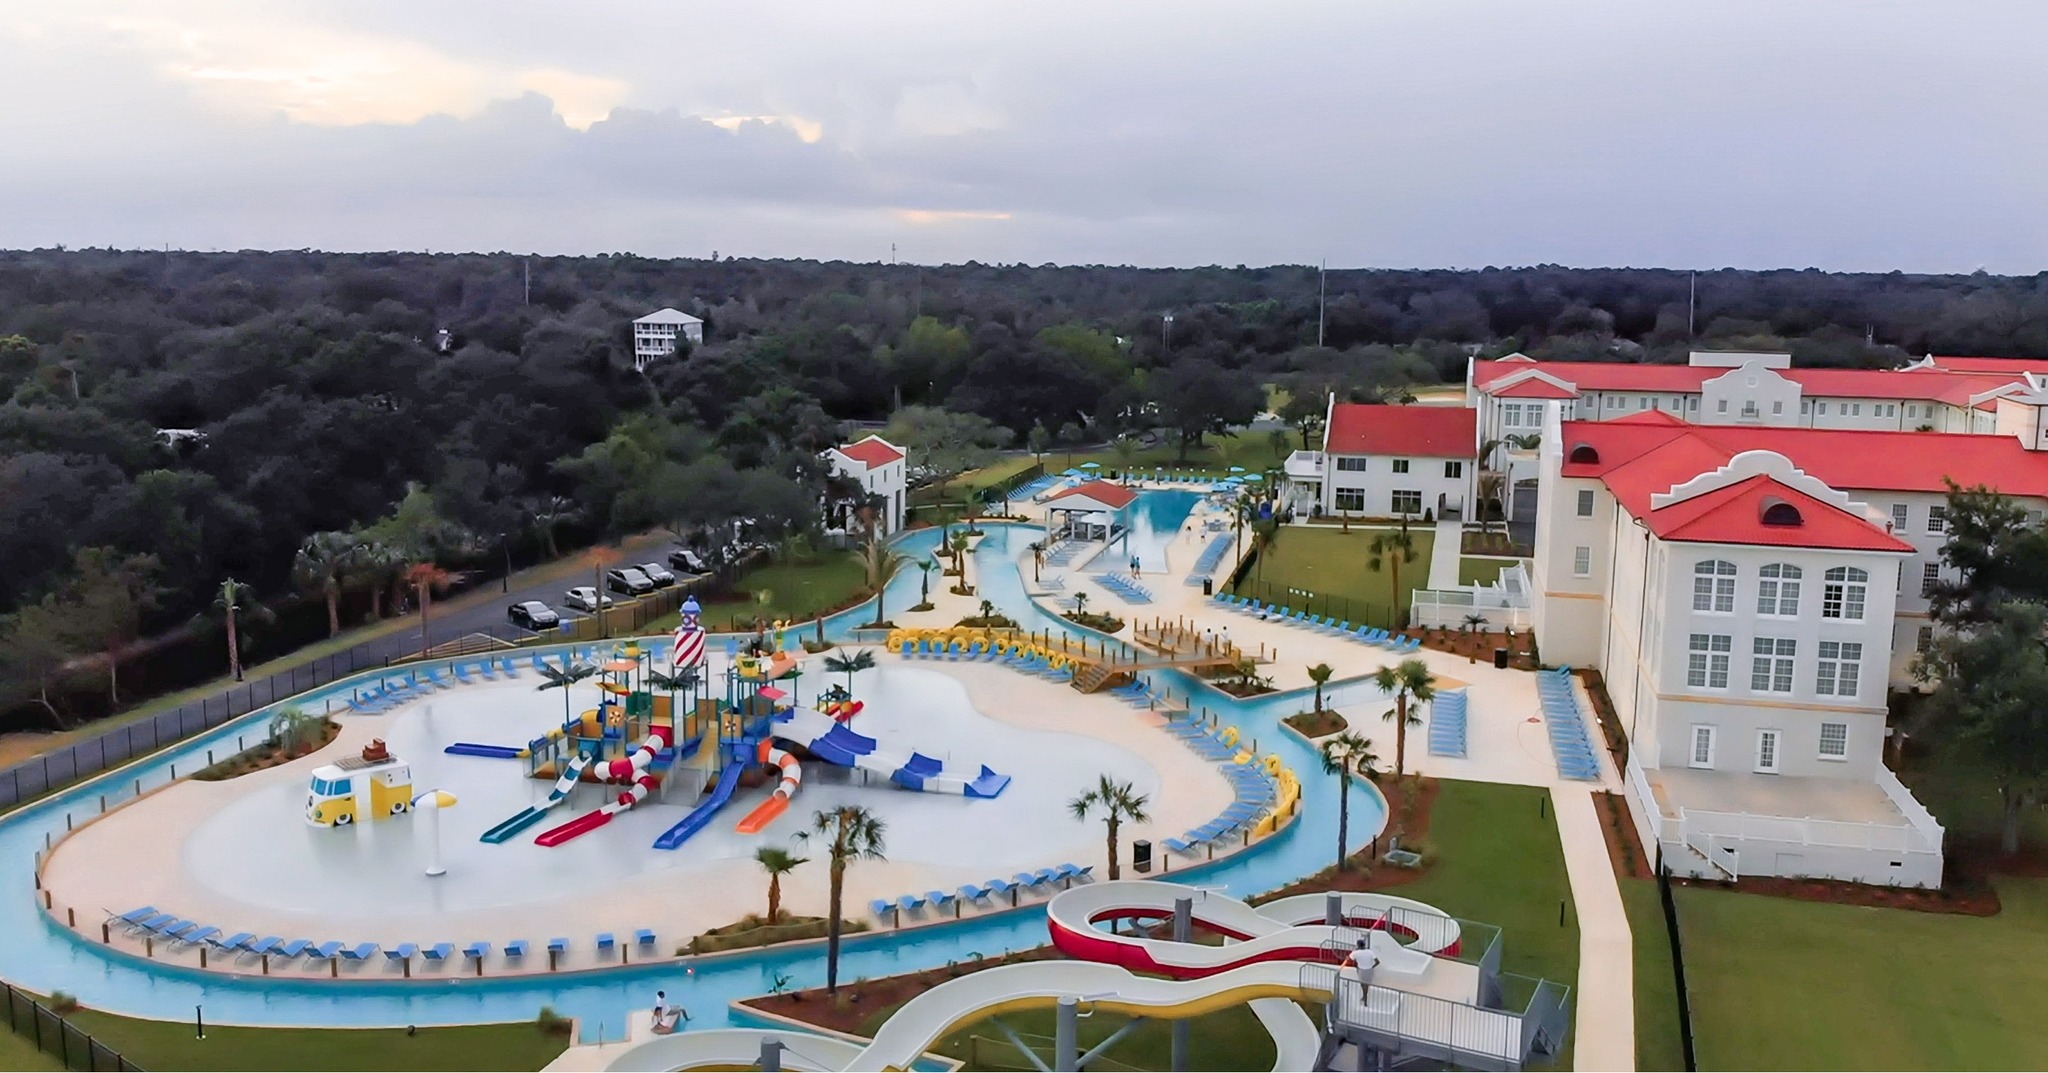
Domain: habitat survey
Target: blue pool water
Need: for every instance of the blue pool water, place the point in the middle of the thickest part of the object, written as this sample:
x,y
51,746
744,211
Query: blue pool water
x,y
1155,520
38,955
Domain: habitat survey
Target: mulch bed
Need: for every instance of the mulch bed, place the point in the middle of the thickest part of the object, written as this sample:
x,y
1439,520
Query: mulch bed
x,y
1478,646
1365,872
1624,843
1961,897
857,1002
1316,724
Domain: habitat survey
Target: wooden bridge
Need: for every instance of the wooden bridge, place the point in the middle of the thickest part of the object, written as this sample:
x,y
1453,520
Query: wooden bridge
x,y
1163,644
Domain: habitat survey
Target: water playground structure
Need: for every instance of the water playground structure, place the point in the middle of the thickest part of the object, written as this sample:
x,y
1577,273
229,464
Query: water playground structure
x,y
374,784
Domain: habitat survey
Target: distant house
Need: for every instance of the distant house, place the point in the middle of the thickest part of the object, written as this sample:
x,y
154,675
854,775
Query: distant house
x,y
881,470
1387,461
655,335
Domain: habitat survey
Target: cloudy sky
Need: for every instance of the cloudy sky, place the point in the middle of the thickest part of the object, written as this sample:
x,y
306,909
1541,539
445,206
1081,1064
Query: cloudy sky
x,y
1850,134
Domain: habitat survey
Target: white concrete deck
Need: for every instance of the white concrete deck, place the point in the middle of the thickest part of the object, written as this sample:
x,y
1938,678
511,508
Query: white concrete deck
x,y
1843,800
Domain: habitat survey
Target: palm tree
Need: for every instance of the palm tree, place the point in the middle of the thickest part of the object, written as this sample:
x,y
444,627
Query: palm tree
x,y
1320,674
851,833
925,567
1114,802
374,566
960,542
1473,622
880,563
1346,756
1527,441
427,579
1390,550
293,729
1080,603
564,677
777,862
1264,532
321,566
1037,559
850,664
232,599
1409,680
1126,448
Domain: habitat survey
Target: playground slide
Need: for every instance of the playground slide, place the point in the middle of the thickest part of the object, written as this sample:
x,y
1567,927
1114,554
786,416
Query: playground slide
x,y
1290,929
495,752
635,771
835,743
778,800
532,815
728,780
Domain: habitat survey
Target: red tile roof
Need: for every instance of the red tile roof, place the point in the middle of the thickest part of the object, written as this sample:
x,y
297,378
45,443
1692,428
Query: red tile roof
x,y
2003,366
1734,515
1418,431
1534,387
1953,387
872,452
1109,494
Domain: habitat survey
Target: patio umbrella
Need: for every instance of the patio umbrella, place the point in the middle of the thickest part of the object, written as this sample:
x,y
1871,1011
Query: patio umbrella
x,y
1237,469
1091,465
1255,477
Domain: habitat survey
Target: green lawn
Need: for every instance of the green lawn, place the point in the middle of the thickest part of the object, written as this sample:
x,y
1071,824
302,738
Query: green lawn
x,y
795,590
1227,1039
172,1045
1331,564
1658,1044
19,1052
1482,569
1784,984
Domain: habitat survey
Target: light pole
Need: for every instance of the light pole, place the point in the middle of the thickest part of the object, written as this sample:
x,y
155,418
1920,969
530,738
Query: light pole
x,y
506,546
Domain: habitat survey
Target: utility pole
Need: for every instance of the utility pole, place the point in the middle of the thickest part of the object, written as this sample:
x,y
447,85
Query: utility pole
x,y
529,281
1692,301
1322,294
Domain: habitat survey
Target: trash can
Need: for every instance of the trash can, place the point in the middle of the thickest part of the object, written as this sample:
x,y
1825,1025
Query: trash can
x,y
1141,856
1500,658
1208,586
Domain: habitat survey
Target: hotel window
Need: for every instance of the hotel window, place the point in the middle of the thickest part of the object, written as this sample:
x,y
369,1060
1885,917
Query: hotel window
x,y
1937,518
1713,586
1721,406
1585,502
1841,593
1805,406
1855,409
1834,741
1770,665
1924,640
1454,470
1840,662
1692,403
1706,661
1777,407
1930,576
1511,414
1643,403
1899,514
1582,561
1820,408
1400,465
1407,501
1912,410
1352,465
1351,499
1777,590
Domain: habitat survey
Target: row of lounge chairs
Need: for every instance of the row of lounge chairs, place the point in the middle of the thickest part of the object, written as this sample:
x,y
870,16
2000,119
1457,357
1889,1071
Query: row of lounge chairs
x,y
1570,743
1125,587
1256,796
1065,875
1036,485
1372,635
1447,724
1030,662
147,922
1210,559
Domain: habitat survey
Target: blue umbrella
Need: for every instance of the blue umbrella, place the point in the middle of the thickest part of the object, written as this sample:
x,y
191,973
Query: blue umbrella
x,y
1237,469
1091,465
1256,477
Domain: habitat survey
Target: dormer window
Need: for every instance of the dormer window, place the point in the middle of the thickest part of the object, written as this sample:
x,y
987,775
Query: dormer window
x,y
1583,454
1777,512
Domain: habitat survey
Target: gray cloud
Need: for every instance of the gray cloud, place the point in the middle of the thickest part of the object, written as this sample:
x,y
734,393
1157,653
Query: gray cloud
x,y
1835,133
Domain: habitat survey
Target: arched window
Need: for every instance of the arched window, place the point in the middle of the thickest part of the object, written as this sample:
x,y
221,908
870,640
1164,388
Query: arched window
x,y
1842,591
1583,454
1713,586
1779,512
1777,589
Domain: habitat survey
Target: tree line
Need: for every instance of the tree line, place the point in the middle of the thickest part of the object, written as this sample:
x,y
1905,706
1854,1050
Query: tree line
x,y
316,427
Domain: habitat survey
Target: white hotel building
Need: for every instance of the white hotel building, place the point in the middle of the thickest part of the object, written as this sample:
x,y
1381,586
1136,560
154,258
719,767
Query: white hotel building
x,y
1751,593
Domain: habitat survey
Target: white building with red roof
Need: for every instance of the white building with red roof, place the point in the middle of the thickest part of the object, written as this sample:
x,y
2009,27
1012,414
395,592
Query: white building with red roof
x,y
882,471
1751,594
1388,461
1091,510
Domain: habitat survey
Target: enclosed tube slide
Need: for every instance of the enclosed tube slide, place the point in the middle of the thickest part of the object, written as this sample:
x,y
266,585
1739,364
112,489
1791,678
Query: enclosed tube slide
x,y
784,792
640,781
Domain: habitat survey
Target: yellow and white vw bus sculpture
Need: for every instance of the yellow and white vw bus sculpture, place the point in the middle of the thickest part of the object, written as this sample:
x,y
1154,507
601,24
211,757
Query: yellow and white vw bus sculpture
x,y
375,783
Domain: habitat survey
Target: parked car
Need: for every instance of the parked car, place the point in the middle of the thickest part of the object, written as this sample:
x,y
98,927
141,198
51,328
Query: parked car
x,y
685,559
628,580
533,615
585,598
657,573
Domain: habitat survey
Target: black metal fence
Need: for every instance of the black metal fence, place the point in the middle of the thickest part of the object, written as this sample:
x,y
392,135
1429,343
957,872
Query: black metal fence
x,y
1670,906
1000,491
1342,608
59,1038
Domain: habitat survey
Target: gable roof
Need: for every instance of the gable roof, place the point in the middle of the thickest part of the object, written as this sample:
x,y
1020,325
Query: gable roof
x,y
1420,431
1959,386
872,452
1734,514
1534,387
1108,493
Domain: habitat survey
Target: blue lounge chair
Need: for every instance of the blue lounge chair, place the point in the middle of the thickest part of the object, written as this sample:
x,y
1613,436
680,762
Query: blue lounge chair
x,y
516,948
153,923
266,945
199,936
1047,875
605,942
325,951
460,675
1067,871
439,951
539,664
643,937
402,952
359,952
910,901
177,932
294,948
1028,880
1000,886
558,945
1178,846
938,898
134,916
973,892
882,907
511,669
233,942
477,950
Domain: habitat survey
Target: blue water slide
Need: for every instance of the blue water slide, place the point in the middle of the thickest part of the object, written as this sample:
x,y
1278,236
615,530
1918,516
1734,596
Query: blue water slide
x,y
989,784
728,780
842,746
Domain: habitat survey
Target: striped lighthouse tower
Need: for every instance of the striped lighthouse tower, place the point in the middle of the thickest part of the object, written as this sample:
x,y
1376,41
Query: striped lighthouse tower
x,y
689,637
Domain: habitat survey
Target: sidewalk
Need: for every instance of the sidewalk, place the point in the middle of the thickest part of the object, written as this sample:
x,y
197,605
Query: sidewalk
x,y
1445,554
